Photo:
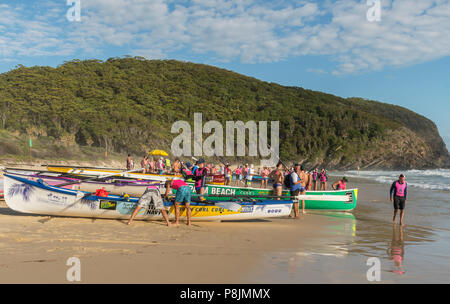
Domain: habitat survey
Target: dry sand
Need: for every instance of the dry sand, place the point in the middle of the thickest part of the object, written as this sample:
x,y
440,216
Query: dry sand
x,y
34,249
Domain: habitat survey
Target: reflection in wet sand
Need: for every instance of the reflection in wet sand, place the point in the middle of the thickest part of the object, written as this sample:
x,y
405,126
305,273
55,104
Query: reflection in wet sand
x,y
338,235
396,249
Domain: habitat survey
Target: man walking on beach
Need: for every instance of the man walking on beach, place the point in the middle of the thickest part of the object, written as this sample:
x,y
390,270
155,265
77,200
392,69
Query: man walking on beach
x,y
398,194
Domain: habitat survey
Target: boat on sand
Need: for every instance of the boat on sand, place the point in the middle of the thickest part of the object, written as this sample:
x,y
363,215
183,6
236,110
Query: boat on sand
x,y
37,197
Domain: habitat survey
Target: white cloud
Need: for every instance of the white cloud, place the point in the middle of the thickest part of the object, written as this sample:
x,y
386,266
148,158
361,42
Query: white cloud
x,y
249,30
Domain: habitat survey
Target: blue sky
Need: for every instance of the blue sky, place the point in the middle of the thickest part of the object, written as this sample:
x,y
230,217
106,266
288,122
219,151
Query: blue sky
x,y
330,46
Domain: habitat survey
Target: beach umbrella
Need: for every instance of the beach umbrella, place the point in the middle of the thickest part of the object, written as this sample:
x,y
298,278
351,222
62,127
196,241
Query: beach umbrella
x,y
159,153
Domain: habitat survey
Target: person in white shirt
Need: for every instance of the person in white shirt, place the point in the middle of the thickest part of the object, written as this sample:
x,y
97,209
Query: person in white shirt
x,y
249,176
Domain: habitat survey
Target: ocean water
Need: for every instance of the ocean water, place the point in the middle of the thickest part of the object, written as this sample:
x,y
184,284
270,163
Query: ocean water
x,y
436,179
418,252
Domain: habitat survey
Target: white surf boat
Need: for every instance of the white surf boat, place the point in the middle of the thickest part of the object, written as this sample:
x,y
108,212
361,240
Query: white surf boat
x,y
37,197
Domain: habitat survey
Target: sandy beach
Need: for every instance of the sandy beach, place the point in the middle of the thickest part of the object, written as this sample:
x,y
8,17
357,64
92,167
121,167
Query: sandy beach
x,y
319,248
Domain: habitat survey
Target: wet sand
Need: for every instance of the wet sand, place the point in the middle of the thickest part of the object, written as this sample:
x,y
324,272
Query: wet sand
x,y
319,248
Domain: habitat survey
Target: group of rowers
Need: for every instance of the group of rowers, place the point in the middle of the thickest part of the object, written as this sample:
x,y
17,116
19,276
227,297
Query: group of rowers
x,y
245,174
296,179
152,195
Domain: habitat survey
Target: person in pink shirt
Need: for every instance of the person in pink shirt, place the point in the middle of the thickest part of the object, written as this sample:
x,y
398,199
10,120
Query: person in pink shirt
x,y
265,177
183,196
151,165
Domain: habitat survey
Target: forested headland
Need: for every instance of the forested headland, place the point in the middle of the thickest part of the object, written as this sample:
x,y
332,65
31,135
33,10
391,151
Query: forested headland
x,y
128,105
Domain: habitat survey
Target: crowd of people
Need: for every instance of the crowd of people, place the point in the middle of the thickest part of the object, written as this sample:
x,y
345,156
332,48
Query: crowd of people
x,y
246,174
295,178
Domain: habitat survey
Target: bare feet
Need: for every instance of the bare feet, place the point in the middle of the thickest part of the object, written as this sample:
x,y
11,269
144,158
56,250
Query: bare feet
x,y
189,224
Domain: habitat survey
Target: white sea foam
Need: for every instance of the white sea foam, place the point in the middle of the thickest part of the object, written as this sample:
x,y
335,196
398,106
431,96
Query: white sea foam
x,y
438,179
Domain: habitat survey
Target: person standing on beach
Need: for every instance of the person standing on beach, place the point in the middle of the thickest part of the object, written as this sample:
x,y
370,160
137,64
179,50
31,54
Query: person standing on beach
x,y
309,186
323,180
151,195
265,178
144,164
227,174
398,193
129,162
278,176
168,165
200,175
176,166
314,178
237,172
151,165
304,182
249,176
297,187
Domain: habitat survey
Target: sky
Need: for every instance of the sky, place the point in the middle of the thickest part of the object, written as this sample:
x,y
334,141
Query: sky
x,y
394,51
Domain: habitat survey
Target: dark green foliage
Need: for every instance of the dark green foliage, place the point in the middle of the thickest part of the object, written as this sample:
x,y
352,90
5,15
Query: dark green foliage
x,y
127,103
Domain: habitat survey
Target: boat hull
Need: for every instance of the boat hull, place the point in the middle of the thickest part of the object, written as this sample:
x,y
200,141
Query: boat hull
x,y
137,188
29,196
329,205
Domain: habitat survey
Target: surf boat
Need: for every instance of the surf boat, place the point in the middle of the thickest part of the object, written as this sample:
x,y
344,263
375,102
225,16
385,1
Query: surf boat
x,y
37,197
91,171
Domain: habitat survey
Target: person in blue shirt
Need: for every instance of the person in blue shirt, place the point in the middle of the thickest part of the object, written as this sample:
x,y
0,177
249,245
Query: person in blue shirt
x,y
298,187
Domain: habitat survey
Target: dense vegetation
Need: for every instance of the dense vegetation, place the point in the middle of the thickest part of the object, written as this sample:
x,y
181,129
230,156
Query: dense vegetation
x,y
129,104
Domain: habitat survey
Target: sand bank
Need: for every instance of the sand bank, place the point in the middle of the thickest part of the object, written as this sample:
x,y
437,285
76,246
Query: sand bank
x,y
34,249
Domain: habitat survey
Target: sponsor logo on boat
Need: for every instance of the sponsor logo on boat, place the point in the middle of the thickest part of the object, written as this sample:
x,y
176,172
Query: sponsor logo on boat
x,y
108,205
127,207
222,191
350,197
153,211
272,211
55,199
246,209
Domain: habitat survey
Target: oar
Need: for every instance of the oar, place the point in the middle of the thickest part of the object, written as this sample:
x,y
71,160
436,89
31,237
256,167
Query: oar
x,y
308,197
97,177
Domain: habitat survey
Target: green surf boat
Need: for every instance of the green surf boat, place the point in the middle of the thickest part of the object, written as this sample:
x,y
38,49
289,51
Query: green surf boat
x,y
340,200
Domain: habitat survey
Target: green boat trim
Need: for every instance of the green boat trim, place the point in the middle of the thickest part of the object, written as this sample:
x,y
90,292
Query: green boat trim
x,y
329,205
